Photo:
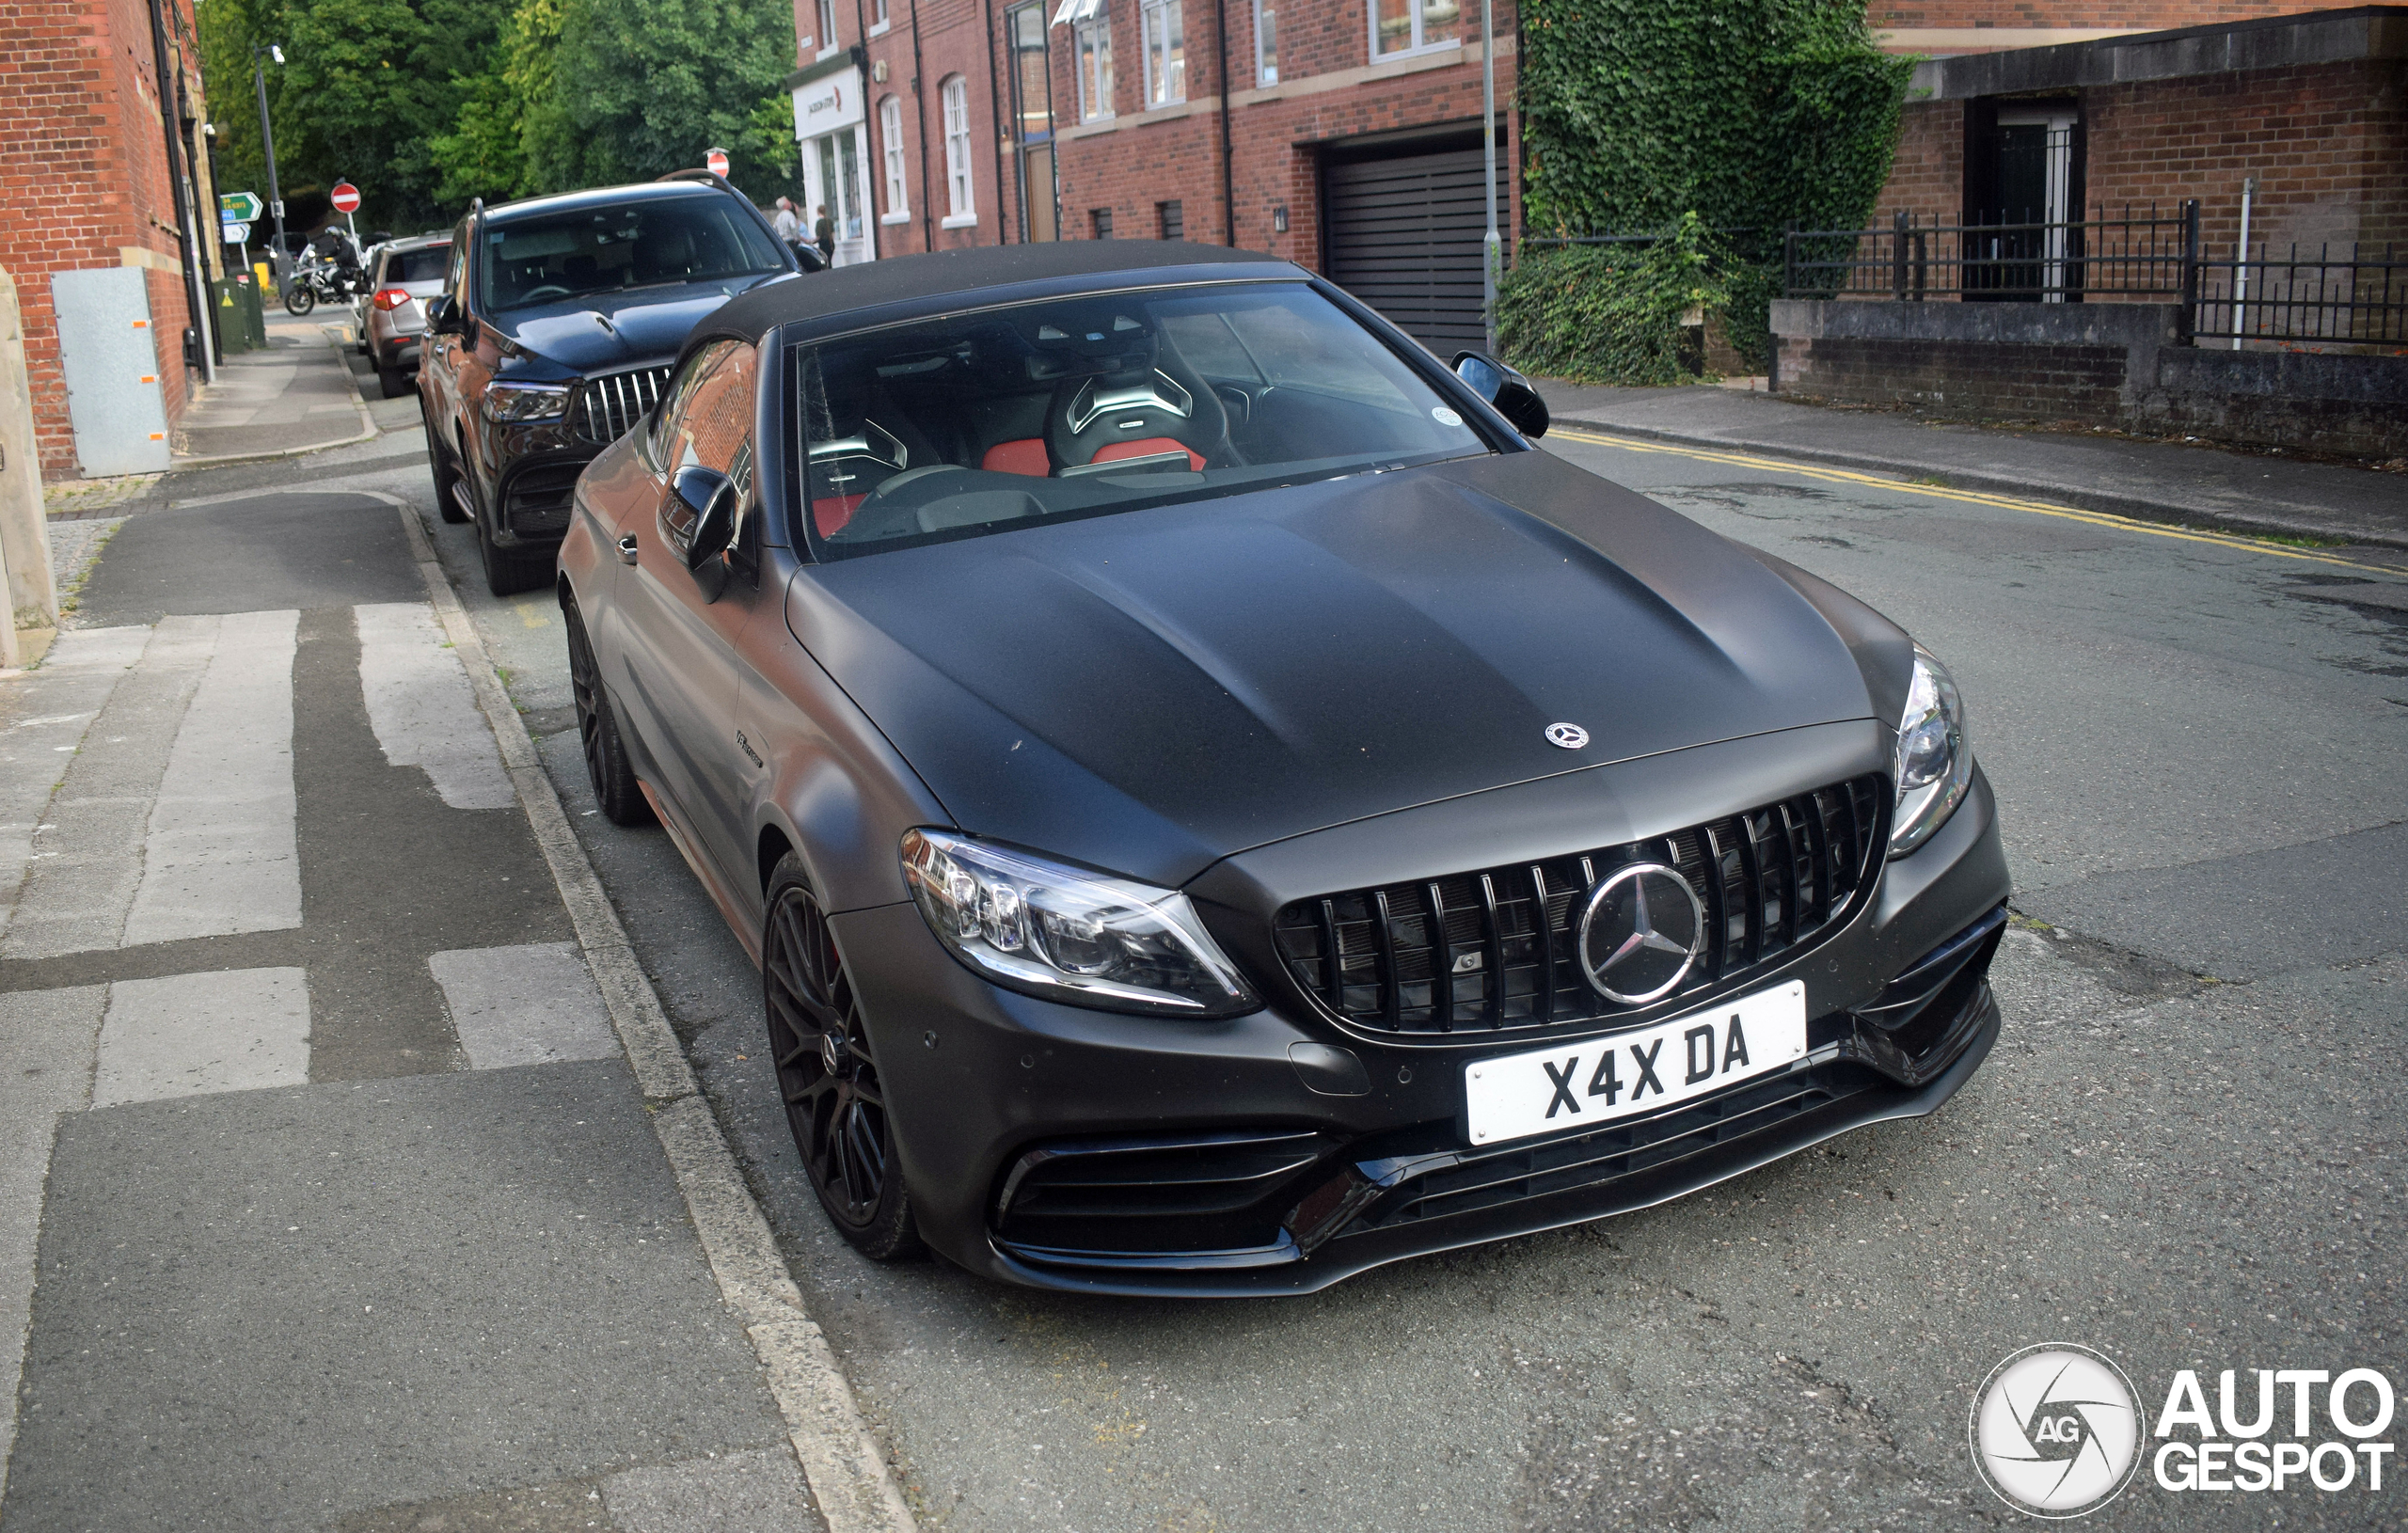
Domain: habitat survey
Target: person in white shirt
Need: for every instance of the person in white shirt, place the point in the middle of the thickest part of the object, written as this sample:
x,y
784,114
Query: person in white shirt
x,y
789,227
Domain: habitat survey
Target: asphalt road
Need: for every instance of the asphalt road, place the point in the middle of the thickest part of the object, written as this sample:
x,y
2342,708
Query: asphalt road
x,y
2183,1151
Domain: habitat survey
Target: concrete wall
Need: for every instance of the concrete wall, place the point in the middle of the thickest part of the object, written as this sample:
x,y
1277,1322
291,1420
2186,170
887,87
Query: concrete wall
x,y
2116,365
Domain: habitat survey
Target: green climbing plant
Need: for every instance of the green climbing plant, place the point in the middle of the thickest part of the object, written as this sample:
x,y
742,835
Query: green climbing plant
x,y
1641,114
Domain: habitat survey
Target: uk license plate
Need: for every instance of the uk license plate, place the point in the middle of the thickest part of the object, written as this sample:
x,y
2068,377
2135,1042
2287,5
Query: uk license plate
x,y
1597,1081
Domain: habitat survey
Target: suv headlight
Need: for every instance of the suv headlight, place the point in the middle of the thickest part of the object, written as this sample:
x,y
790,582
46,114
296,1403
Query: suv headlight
x,y
1067,934
525,400
1935,763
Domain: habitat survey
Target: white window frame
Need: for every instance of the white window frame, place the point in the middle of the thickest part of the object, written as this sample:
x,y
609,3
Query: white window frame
x,y
1093,38
878,18
959,189
889,144
1266,71
826,28
1419,44
1158,36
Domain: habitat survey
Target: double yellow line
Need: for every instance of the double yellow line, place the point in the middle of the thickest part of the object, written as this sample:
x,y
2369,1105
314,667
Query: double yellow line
x,y
1971,498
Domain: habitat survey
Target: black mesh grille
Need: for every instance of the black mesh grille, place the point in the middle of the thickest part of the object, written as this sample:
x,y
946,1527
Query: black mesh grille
x,y
607,406
1494,949
536,500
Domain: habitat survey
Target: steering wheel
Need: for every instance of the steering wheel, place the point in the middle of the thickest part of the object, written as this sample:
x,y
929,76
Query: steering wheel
x,y
549,290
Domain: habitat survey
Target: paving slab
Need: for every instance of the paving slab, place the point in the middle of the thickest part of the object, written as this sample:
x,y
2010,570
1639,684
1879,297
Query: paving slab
x,y
295,396
2153,480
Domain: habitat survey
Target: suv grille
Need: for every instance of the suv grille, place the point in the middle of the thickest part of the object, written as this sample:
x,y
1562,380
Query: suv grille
x,y
1494,948
607,406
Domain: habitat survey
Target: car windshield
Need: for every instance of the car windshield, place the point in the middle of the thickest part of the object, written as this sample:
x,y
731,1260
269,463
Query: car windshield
x,y
983,422
545,259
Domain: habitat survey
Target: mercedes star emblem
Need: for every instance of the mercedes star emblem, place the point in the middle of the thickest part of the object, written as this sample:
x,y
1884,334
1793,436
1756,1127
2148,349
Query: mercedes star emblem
x,y
1639,933
1570,736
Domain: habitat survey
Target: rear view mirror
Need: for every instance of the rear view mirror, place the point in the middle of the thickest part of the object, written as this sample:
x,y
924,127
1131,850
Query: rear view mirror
x,y
700,520
1505,388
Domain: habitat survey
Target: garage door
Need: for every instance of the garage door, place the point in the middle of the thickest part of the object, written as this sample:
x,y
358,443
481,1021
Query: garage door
x,y
1404,236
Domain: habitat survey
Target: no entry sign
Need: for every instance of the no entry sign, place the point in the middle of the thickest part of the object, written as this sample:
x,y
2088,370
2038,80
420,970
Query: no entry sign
x,y
345,198
717,161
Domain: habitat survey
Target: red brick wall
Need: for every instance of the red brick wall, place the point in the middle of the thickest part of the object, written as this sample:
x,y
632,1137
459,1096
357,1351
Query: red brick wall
x,y
83,176
2328,144
951,40
1927,175
1141,159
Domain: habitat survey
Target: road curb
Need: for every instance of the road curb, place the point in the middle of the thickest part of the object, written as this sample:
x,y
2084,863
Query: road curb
x,y
2282,524
840,1457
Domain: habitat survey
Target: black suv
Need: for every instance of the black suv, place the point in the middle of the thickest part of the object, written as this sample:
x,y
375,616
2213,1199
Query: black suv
x,y
558,322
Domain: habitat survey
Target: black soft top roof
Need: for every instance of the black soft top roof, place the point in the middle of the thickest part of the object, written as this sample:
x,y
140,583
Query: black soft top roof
x,y
901,284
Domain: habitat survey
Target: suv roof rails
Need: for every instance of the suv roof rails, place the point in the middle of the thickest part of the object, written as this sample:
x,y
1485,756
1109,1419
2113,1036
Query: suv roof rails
x,y
704,175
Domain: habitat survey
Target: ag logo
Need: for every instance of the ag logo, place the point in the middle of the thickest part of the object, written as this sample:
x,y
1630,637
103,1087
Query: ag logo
x,y
2056,1432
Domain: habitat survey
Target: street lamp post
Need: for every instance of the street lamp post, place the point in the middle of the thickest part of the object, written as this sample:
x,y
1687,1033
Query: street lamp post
x,y
1492,247
268,140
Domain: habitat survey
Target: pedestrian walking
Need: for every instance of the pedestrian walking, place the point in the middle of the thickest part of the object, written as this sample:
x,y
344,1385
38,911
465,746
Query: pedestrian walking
x,y
823,234
788,226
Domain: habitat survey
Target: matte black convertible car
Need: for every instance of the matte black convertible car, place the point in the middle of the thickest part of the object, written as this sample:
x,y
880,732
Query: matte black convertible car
x,y
1216,809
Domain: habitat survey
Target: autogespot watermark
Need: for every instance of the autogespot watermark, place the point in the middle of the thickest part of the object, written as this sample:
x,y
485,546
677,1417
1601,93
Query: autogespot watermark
x,y
2058,1432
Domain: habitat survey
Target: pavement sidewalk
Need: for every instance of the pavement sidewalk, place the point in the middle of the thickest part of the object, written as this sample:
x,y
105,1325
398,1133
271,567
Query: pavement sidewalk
x,y
2164,481
297,396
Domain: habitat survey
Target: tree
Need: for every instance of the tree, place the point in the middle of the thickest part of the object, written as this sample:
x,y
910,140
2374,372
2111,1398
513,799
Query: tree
x,y
649,88
508,111
366,86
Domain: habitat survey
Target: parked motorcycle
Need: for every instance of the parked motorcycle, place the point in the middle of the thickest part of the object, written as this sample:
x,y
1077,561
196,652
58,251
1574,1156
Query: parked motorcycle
x,y
321,277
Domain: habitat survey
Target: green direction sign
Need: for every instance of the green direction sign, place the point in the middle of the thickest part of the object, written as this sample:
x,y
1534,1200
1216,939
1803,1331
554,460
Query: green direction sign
x,y
240,207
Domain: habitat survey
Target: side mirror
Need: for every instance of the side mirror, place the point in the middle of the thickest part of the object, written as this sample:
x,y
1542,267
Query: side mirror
x,y
1505,388
700,519
443,316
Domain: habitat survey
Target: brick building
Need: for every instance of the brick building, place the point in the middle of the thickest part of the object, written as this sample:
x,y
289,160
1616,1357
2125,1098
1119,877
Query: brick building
x,y
1343,135
90,185
2308,109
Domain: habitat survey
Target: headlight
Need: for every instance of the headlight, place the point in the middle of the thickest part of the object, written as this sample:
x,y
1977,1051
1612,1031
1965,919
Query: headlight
x,y
1070,935
525,400
1935,761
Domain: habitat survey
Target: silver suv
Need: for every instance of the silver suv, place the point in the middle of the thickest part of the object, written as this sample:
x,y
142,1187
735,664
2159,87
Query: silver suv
x,y
403,273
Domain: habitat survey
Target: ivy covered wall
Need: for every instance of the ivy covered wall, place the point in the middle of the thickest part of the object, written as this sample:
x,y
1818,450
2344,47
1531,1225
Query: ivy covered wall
x,y
1747,114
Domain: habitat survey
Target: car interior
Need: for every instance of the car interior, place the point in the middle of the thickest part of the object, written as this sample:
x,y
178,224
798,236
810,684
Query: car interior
x,y
1078,406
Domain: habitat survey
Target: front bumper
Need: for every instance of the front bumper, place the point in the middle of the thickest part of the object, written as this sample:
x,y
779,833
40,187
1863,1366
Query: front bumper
x,y
1278,1153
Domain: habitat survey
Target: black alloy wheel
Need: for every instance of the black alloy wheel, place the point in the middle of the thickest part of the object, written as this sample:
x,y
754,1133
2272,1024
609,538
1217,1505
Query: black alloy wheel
x,y
598,731
299,298
447,505
827,1074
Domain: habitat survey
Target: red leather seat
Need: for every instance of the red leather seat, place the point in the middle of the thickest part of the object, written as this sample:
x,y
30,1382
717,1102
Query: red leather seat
x,y
1025,456
1146,447
829,513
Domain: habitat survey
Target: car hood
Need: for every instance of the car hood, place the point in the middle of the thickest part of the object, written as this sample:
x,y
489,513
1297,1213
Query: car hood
x,y
596,331
1151,691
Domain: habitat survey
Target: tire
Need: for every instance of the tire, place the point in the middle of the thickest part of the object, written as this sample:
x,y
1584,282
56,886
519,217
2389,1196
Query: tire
x,y
299,299
447,505
508,571
597,732
838,1114
393,382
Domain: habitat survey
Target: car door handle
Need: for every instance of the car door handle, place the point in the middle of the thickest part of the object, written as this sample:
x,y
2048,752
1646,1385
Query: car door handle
x,y
628,549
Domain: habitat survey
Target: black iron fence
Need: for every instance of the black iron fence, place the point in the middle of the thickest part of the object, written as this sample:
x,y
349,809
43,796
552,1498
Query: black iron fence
x,y
2320,296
